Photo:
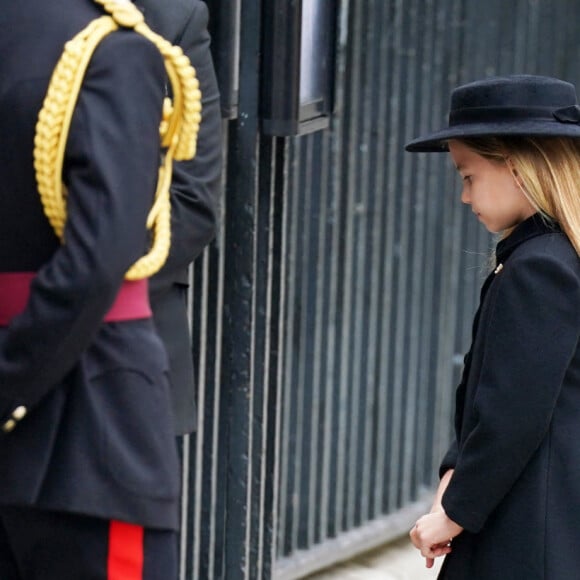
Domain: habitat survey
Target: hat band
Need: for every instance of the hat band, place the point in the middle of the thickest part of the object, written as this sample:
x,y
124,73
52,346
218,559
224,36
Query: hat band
x,y
500,115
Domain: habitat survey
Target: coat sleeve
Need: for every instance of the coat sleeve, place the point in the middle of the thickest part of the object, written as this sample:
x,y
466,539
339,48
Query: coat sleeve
x,y
532,334
196,183
449,459
110,170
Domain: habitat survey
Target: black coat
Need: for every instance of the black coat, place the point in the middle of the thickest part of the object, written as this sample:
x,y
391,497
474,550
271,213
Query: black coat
x,y
195,191
98,439
516,485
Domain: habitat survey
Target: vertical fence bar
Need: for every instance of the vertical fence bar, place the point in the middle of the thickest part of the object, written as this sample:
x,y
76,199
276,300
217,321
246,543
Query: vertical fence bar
x,y
260,426
206,446
373,444
392,347
328,519
286,511
358,182
239,301
201,382
302,430
414,280
311,314
279,239
385,217
426,269
318,493
357,216
211,549
346,282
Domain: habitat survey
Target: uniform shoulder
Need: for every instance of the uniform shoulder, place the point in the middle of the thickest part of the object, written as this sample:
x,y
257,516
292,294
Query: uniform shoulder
x,y
124,48
167,18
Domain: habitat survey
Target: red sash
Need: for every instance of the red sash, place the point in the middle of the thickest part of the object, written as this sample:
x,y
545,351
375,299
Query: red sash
x,y
132,301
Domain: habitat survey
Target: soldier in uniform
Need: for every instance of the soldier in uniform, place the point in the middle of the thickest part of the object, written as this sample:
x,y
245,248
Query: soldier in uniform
x,y
195,190
89,478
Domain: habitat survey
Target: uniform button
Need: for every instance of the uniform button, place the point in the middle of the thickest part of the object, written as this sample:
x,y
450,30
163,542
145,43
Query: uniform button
x,y
9,425
19,413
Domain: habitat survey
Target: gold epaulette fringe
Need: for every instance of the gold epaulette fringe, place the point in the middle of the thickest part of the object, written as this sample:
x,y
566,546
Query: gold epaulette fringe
x,y
178,130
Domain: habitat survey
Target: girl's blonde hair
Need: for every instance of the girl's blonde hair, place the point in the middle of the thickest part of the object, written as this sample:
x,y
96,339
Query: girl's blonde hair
x,y
547,169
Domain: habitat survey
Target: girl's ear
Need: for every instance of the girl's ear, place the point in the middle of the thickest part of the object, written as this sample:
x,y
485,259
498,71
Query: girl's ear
x,y
514,172
511,166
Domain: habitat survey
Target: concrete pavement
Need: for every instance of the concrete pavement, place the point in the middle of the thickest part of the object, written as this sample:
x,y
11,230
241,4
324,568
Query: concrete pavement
x,y
397,561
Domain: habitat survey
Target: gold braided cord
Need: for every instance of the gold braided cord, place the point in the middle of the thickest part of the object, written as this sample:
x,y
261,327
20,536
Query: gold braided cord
x,y
178,130
55,117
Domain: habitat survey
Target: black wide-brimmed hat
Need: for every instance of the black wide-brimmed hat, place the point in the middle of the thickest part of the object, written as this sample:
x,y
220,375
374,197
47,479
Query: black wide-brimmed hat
x,y
518,105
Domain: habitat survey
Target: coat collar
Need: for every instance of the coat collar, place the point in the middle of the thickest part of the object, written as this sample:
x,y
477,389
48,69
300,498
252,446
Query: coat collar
x,y
535,225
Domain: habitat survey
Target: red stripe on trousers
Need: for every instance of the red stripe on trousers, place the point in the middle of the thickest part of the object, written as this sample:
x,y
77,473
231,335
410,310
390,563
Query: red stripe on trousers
x,y
125,560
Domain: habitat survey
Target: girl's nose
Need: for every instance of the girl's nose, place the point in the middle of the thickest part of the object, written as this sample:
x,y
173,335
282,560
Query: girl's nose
x,y
465,197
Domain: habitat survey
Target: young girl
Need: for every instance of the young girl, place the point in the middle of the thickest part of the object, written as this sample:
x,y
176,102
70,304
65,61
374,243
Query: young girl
x,y
508,504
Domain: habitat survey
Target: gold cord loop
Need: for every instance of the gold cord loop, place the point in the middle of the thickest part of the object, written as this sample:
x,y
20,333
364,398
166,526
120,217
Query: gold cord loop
x,y
178,130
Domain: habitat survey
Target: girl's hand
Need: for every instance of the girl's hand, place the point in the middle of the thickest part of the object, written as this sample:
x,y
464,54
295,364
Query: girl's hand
x,y
442,549
432,535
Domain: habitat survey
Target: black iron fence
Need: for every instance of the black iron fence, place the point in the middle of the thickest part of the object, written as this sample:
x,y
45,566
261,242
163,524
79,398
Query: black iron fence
x,y
331,314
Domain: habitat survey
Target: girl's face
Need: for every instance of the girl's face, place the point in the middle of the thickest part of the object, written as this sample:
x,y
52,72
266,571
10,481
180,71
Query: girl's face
x,y
490,188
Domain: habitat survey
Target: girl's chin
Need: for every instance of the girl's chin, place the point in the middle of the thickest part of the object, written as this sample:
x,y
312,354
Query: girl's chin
x,y
491,229
482,221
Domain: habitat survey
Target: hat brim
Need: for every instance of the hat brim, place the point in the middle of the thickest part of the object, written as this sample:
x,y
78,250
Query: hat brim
x,y
437,141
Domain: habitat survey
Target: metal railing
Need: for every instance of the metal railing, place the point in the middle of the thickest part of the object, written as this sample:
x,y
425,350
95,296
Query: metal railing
x,y
330,316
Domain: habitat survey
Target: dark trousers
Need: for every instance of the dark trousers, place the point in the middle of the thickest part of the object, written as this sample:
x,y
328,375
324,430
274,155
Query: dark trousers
x,y
43,545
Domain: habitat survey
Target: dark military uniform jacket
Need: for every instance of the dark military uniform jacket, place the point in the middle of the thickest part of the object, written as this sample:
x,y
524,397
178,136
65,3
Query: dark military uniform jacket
x,y
98,437
195,191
